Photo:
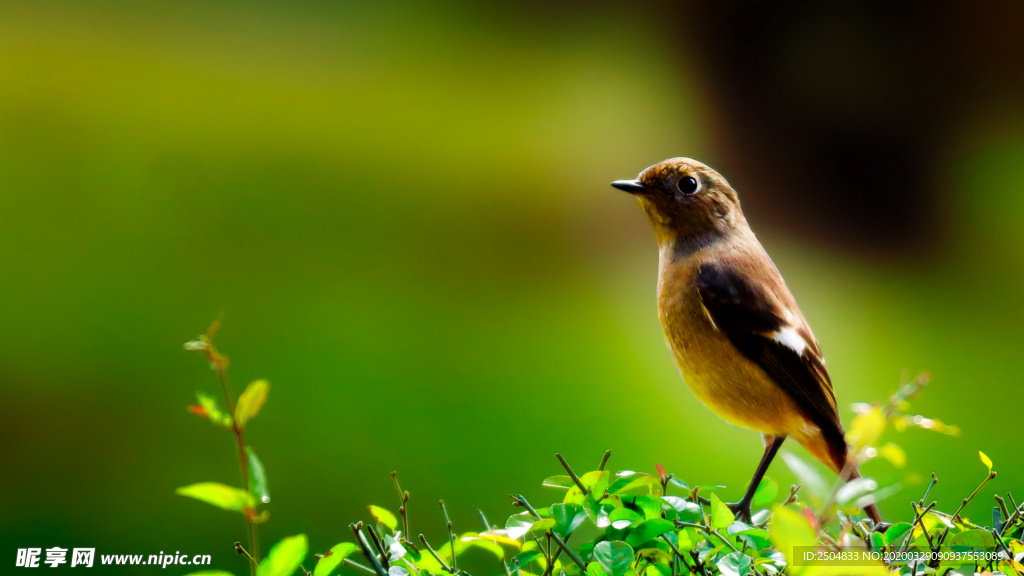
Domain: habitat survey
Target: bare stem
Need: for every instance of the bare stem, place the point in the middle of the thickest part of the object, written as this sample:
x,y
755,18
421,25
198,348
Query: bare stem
x,y
357,529
241,550
362,567
561,543
436,557
451,534
519,500
403,508
990,476
575,478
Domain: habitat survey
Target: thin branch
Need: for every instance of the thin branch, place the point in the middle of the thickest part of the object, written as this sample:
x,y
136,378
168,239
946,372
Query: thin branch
x,y
604,460
990,476
451,535
561,543
242,551
519,500
361,540
362,567
384,555
436,557
934,481
403,508
575,478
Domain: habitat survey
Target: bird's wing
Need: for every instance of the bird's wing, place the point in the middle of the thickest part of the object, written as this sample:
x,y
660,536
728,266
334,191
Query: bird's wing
x,y
777,340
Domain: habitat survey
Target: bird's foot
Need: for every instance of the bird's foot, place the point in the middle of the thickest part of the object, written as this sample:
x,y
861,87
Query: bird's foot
x,y
741,510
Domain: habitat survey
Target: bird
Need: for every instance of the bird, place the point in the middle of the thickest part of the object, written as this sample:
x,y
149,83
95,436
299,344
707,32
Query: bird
x,y
733,327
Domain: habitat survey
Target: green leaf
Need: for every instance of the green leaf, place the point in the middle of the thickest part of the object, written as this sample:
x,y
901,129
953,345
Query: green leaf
x,y
756,538
207,408
384,517
524,558
648,530
210,573
735,564
596,482
677,482
257,477
687,538
896,532
250,402
649,506
985,460
334,557
472,539
219,495
615,557
877,540
284,557
567,518
622,517
518,525
788,530
766,492
972,539
894,454
595,569
688,511
721,516
560,481
629,481
866,427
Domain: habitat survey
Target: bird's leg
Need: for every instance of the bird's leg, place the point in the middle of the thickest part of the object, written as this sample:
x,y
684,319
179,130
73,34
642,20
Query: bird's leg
x,y
771,447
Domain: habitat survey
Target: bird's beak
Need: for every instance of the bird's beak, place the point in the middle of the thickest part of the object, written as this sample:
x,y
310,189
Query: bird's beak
x,y
631,186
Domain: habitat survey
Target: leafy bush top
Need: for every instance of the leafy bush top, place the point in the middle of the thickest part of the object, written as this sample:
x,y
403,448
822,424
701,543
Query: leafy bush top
x,y
630,523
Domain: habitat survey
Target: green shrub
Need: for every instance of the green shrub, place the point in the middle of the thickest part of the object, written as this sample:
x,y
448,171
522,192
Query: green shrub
x,y
629,523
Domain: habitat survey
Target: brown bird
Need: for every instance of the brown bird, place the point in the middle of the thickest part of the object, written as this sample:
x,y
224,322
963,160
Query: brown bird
x,y
732,325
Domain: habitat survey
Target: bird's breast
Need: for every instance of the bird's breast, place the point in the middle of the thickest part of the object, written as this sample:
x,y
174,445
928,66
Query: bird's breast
x,y
730,384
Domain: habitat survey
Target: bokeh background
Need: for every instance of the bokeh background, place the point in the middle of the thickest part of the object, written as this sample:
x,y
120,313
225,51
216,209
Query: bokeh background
x,y
402,213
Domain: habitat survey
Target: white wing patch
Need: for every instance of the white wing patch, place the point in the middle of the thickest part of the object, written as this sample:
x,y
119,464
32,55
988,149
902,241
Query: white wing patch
x,y
789,338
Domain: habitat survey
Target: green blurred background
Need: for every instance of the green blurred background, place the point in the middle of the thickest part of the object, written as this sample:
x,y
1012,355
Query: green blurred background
x,y
403,214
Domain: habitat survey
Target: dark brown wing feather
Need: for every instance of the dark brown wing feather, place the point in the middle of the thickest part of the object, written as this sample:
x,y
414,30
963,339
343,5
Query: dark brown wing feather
x,y
748,316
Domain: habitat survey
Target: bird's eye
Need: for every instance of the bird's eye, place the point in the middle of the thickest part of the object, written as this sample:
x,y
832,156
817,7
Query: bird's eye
x,y
688,185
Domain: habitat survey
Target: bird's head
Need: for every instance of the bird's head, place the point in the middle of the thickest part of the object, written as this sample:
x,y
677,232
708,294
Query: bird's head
x,y
685,199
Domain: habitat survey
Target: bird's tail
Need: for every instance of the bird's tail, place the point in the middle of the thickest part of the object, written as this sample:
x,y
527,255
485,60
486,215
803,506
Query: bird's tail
x,y
830,447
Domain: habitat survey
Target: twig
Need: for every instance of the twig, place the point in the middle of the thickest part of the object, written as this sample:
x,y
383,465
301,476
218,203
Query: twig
x,y
604,460
436,557
919,519
918,515
934,481
384,555
675,550
451,535
361,540
793,489
241,550
362,567
403,498
990,476
519,500
711,532
220,364
561,543
572,474
487,525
